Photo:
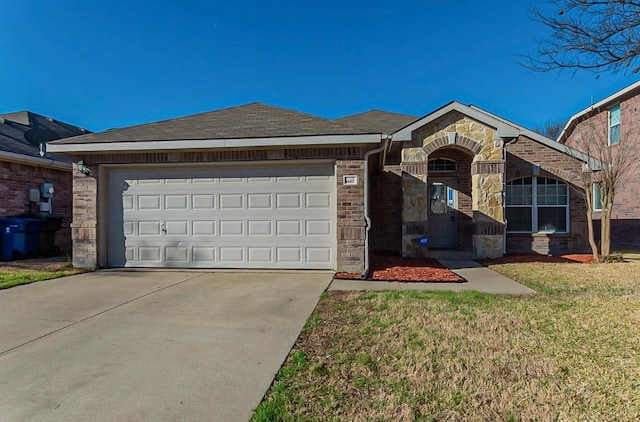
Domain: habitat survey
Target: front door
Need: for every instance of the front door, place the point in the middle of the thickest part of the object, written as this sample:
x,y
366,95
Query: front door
x,y
442,213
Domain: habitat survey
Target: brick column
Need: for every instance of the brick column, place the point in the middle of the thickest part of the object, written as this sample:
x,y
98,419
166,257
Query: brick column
x,y
84,226
350,219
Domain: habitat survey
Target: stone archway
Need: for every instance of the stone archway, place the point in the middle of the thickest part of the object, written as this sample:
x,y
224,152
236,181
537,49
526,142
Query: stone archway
x,y
487,190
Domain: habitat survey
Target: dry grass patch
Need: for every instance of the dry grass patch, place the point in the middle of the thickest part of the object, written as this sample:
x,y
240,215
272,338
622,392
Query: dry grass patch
x,y
14,273
569,353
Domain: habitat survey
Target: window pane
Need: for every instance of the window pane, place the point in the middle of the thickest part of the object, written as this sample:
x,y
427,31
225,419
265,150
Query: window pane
x,y
614,124
518,193
441,164
614,134
518,219
552,219
597,200
551,192
614,115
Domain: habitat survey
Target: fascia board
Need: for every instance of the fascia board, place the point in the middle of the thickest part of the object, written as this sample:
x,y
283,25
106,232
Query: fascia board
x,y
133,146
35,161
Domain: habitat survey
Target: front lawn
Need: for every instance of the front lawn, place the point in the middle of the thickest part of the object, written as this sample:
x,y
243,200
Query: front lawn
x,y
570,353
14,273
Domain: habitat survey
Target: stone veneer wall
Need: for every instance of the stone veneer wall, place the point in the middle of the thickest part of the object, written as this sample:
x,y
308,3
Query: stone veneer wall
x,y
350,199
487,173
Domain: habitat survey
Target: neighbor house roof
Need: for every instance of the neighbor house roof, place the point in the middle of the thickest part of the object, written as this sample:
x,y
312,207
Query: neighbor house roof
x,y
378,121
23,132
611,100
250,125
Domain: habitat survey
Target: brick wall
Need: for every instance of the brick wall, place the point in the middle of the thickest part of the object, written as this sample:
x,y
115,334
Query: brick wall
x,y
85,220
625,223
385,209
350,199
522,157
17,178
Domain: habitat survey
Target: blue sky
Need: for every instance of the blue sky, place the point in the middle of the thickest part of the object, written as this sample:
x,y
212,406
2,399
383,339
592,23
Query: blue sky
x,y
105,64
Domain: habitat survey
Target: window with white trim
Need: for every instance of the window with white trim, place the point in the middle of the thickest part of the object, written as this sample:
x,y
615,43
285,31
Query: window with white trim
x,y
597,198
614,125
441,164
537,204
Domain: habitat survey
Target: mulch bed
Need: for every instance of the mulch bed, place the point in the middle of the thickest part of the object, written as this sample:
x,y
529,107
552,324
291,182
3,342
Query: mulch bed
x,y
397,268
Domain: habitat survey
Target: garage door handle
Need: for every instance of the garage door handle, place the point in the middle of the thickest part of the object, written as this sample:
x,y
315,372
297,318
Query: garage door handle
x,y
164,228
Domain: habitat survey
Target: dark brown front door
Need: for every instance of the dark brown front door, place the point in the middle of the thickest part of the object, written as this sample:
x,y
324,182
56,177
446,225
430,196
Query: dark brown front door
x,y
442,214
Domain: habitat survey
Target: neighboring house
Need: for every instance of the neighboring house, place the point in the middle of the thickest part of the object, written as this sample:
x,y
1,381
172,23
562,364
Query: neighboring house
x,y
257,186
617,118
25,164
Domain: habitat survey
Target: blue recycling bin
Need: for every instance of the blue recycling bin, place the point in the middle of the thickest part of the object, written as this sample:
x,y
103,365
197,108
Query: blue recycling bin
x,y
8,229
25,233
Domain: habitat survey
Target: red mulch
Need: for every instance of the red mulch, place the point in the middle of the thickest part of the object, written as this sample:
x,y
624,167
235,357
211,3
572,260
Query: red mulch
x,y
513,259
397,268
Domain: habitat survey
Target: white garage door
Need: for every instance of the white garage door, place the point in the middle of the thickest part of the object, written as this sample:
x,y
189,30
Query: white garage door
x,y
251,217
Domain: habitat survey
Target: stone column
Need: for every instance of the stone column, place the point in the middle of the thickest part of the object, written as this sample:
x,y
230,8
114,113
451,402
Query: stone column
x,y
487,179
414,207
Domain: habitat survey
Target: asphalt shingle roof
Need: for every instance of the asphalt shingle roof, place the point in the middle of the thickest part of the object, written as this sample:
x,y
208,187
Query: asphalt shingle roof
x,y
255,120
22,132
378,121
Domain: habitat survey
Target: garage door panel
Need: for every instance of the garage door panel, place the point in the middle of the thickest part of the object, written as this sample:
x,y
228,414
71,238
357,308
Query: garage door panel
x,y
319,255
231,201
318,200
203,202
252,217
260,255
177,228
204,255
260,228
149,228
150,254
203,228
177,254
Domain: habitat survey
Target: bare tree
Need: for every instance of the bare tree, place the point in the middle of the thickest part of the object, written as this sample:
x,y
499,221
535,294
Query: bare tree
x,y
607,167
550,129
596,35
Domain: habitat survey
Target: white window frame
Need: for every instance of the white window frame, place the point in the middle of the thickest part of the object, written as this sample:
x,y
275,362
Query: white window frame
x,y
534,209
597,205
619,124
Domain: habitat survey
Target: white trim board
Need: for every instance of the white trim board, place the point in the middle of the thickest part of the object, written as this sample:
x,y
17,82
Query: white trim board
x,y
132,146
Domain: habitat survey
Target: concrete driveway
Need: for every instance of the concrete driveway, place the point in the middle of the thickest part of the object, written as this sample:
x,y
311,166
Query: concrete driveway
x,y
149,345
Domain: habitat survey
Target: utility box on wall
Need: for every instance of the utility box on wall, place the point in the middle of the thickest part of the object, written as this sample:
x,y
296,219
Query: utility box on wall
x,y
46,190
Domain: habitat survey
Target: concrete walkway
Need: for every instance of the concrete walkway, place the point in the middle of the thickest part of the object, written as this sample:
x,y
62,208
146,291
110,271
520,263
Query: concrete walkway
x,y
478,278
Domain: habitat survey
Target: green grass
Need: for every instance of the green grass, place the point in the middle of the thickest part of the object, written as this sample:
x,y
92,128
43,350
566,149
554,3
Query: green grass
x,y
568,353
18,277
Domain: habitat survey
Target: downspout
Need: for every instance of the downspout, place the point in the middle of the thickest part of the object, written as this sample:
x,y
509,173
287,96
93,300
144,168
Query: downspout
x,y
386,141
